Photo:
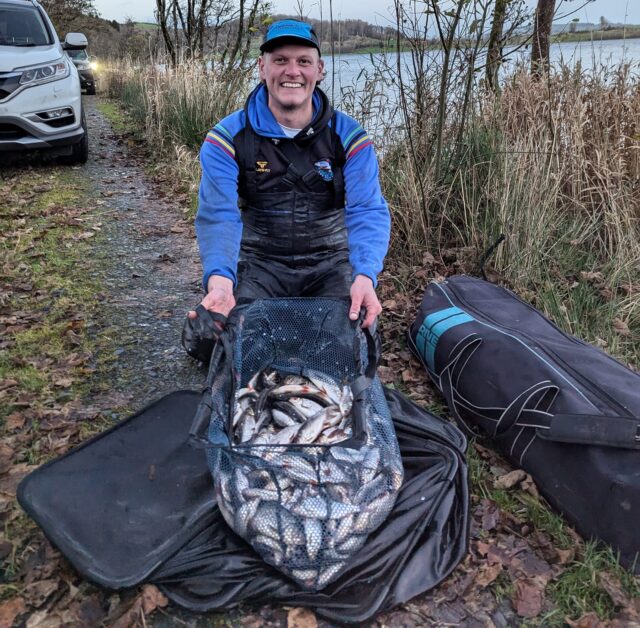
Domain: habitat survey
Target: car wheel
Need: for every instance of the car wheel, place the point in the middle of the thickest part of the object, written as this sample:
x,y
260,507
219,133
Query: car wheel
x,y
80,151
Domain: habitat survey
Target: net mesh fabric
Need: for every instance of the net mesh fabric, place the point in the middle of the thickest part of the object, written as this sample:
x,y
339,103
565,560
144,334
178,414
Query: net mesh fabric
x,y
304,508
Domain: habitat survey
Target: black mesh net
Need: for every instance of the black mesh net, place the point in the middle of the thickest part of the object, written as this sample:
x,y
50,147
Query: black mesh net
x,y
303,469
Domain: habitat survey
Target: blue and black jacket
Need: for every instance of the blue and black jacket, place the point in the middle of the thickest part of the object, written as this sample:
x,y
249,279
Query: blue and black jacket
x,y
251,169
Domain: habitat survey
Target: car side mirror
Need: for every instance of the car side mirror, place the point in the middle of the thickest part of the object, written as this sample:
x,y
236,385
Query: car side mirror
x,y
75,41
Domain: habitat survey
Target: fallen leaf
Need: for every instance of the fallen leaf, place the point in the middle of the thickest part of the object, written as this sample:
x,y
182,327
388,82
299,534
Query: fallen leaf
x,y
6,547
14,421
528,485
38,593
8,383
606,294
386,374
6,455
565,556
487,574
613,587
11,609
301,618
43,619
592,277
152,598
510,479
490,514
63,382
528,599
164,314
590,620
620,327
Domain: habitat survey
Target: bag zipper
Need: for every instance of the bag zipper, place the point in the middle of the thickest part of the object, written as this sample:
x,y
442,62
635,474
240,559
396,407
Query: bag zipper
x,y
601,394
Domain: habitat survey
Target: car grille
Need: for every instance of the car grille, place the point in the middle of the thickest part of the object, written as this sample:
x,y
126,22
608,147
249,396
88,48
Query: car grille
x,y
10,132
9,83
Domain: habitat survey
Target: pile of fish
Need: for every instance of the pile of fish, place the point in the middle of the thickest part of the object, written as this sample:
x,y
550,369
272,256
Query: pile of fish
x,y
281,410
305,510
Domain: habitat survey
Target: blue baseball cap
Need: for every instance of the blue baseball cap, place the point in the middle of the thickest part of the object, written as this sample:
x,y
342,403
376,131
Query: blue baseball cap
x,y
285,32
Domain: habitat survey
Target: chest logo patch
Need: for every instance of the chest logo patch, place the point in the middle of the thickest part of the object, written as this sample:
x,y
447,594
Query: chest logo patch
x,y
261,166
323,168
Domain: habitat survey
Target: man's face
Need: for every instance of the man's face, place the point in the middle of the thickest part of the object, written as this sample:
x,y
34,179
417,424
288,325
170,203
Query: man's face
x,y
290,74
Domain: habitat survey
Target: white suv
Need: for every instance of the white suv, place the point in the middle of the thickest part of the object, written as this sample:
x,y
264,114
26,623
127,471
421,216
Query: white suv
x,y
40,99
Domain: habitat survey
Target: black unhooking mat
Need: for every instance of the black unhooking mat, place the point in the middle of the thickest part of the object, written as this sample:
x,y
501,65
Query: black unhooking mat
x,y
136,504
563,410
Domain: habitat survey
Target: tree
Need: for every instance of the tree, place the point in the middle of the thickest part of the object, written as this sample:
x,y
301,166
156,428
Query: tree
x,y
69,15
187,26
541,35
494,45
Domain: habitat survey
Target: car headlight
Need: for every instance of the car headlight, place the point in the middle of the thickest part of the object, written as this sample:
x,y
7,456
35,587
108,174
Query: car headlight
x,y
45,73
93,65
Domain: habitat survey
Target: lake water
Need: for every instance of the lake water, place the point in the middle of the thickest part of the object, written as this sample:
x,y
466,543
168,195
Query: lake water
x,y
352,70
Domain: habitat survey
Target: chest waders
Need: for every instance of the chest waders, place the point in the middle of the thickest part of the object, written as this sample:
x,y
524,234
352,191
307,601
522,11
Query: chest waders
x,y
294,240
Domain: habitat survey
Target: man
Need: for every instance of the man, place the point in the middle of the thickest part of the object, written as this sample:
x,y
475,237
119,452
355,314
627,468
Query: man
x,y
312,220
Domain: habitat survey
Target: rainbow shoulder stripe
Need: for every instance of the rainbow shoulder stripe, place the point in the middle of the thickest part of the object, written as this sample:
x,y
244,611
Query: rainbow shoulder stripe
x,y
356,141
220,137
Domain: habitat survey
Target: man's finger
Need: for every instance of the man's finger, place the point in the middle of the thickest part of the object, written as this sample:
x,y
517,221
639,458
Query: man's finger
x,y
356,302
192,314
369,318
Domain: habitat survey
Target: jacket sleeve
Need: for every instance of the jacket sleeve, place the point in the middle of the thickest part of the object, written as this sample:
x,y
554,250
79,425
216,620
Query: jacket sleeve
x,y
366,212
218,223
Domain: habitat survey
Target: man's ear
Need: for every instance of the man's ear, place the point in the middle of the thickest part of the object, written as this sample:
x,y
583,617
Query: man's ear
x,y
261,66
322,70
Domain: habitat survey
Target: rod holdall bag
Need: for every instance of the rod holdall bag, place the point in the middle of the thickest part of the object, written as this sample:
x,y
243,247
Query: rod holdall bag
x,y
304,492
199,335
561,409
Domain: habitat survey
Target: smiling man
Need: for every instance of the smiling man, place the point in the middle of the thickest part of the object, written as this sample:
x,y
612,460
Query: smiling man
x,y
290,202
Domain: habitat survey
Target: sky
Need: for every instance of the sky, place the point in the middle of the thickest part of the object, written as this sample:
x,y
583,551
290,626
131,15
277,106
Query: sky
x,y
378,11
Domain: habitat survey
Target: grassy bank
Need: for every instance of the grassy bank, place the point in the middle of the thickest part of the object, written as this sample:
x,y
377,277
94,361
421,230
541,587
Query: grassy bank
x,y
50,353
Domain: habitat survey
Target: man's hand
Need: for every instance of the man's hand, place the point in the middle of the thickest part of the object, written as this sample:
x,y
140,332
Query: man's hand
x,y
363,294
219,297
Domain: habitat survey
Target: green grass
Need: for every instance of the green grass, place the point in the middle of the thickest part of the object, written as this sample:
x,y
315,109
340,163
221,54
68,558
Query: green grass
x,y
116,116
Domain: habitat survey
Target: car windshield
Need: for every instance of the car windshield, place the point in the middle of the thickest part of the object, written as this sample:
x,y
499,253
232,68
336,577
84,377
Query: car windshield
x,y
22,26
78,55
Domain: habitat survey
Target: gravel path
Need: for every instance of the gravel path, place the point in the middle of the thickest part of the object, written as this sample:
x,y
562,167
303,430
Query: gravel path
x,y
149,269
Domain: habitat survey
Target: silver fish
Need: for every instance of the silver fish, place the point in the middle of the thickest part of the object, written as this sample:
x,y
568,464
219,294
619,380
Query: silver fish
x,y
344,528
285,414
330,472
346,400
310,430
260,493
247,425
313,536
302,471
371,488
307,576
329,574
244,515
307,407
286,435
331,391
